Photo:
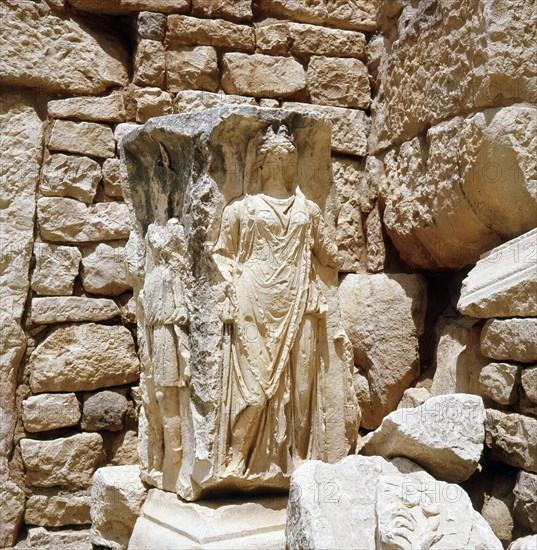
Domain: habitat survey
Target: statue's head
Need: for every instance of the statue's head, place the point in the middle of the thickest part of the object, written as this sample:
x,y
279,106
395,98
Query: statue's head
x,y
276,146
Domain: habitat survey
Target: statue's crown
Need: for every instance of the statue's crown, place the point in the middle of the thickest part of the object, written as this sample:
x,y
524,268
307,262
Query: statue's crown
x,y
281,137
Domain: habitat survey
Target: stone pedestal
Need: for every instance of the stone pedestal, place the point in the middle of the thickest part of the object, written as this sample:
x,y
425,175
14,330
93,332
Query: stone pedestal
x,y
167,522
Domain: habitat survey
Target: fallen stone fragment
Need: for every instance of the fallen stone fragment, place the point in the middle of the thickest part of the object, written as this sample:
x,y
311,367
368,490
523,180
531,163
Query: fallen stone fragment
x,y
510,339
56,268
49,411
85,138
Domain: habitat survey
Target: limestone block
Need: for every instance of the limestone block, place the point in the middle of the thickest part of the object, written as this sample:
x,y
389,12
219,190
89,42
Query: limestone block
x,y
49,411
510,339
83,358
190,31
110,108
71,309
418,85
458,358
66,539
343,82
525,492
117,496
368,502
111,178
59,54
350,127
57,510
104,410
150,102
413,397
236,10
12,503
524,543
68,220
359,14
68,461
70,176
445,436
191,100
529,382
151,25
503,283
128,311
104,269
115,7
499,381
273,38
192,68
512,438
498,504
56,267
150,63
383,316
262,75
124,450
86,138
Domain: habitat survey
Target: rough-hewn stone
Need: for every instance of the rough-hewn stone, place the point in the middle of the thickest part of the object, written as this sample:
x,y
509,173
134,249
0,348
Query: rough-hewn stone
x,y
196,100
529,382
104,269
49,411
104,410
116,7
55,269
525,492
383,316
151,25
510,339
67,462
237,10
83,357
57,510
70,176
190,31
71,309
41,50
499,381
68,220
66,539
413,397
98,109
192,68
12,503
342,82
111,178
150,63
149,102
262,75
85,138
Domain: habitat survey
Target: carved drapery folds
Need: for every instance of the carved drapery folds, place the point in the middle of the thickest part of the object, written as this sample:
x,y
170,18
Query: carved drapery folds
x,y
246,369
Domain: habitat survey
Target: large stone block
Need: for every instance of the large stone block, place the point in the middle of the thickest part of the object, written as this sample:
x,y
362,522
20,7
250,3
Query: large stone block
x,y
383,316
58,509
262,75
68,220
98,109
49,411
499,381
104,269
236,10
151,25
66,462
525,492
191,100
192,68
44,51
66,539
150,63
85,138
12,503
117,7
55,269
71,309
510,339
82,358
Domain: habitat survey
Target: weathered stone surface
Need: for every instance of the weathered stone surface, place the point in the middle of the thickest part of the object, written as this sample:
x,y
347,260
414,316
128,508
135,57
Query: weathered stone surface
x,y
350,127
117,496
150,63
383,316
504,282
413,397
262,75
529,382
66,539
151,25
115,7
498,504
368,502
12,503
62,219
123,129
49,411
359,14
104,410
124,450
71,309
524,543
499,381
512,438
86,138
191,100
525,492
68,461
70,176
57,510
104,269
237,10
190,31
83,358
192,68
458,358
40,50
111,178
99,109
422,85
342,82
510,339
445,435
55,270
150,102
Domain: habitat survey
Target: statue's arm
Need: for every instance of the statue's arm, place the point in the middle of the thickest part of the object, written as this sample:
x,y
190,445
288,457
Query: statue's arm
x,y
324,249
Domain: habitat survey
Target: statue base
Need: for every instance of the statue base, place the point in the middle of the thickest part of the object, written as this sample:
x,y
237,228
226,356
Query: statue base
x,y
168,523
